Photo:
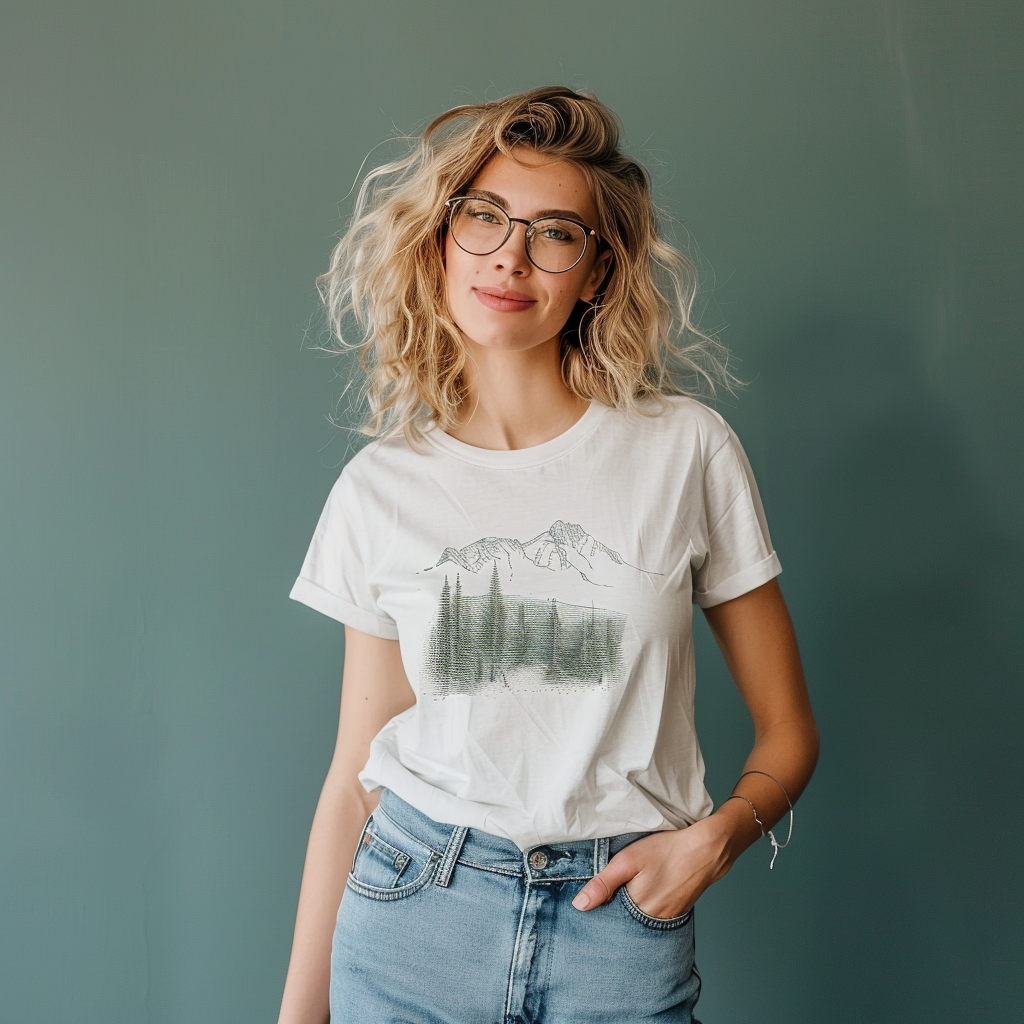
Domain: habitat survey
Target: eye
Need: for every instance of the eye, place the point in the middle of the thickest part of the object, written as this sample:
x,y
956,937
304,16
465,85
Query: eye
x,y
481,212
558,232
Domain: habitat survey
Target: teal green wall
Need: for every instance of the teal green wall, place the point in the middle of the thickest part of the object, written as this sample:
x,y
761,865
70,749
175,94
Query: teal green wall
x,y
171,179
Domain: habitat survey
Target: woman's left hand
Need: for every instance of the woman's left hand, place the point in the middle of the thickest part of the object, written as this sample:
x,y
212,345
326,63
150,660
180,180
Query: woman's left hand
x,y
666,871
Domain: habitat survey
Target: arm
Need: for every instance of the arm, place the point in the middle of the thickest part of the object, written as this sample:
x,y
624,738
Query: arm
x,y
374,690
669,870
756,638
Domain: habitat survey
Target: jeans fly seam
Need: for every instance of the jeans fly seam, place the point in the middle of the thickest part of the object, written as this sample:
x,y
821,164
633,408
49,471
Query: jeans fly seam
x,y
515,954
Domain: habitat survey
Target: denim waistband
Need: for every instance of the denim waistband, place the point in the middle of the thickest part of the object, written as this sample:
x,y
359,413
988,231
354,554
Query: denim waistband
x,y
460,844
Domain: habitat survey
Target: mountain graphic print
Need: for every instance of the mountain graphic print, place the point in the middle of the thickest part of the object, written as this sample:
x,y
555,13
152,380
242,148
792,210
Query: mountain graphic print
x,y
501,641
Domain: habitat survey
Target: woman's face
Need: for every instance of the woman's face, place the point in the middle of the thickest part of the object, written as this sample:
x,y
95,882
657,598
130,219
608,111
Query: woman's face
x,y
541,302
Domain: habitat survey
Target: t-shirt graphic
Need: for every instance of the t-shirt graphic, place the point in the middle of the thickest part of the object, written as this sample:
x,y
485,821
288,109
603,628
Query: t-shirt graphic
x,y
498,639
542,599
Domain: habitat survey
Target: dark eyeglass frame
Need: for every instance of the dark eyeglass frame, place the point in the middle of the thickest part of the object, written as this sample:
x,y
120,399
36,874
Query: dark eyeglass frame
x,y
512,221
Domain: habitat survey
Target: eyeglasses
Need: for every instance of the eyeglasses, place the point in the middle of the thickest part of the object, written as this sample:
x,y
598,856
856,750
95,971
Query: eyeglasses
x,y
553,244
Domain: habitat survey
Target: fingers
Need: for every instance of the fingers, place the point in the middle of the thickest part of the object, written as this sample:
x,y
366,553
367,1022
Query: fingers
x,y
594,893
600,888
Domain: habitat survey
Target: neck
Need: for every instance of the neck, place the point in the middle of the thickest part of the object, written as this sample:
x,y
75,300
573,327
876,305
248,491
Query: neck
x,y
516,399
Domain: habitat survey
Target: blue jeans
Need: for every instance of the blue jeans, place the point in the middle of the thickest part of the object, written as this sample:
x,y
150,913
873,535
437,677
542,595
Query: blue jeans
x,y
443,924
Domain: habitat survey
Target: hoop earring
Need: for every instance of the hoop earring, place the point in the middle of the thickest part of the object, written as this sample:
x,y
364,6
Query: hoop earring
x,y
583,343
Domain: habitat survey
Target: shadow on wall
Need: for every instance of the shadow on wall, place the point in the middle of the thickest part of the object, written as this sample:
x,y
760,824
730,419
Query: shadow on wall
x,y
910,630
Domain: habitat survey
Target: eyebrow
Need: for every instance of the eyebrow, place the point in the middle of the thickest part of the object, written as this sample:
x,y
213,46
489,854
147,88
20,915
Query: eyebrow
x,y
503,203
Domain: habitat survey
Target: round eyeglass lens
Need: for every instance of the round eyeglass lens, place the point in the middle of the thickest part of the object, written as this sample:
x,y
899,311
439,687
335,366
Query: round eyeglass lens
x,y
480,226
556,245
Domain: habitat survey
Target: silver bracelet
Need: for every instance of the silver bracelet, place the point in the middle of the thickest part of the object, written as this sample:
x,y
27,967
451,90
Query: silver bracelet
x,y
767,832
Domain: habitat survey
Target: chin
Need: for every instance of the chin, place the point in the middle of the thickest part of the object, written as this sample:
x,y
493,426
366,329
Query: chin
x,y
501,342
490,335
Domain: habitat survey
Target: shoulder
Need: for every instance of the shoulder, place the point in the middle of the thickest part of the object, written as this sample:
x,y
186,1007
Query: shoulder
x,y
381,460
679,419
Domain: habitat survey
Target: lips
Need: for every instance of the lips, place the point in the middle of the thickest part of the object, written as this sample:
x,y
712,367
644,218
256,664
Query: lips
x,y
504,301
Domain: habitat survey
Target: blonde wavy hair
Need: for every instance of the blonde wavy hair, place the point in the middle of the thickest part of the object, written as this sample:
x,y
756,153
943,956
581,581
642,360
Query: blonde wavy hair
x,y
386,279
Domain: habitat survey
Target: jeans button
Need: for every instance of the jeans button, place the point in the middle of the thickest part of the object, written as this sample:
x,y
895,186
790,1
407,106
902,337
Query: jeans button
x,y
538,859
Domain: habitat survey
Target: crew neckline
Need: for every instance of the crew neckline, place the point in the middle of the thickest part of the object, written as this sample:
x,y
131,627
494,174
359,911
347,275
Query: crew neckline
x,y
518,457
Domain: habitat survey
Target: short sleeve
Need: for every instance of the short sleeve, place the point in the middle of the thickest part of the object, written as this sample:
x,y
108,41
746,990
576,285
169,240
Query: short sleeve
x,y
335,578
739,556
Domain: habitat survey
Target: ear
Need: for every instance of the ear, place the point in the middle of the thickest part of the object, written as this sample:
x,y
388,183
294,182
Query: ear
x,y
596,276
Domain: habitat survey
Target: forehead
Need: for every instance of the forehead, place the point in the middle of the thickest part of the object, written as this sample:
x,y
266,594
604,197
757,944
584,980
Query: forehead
x,y
535,182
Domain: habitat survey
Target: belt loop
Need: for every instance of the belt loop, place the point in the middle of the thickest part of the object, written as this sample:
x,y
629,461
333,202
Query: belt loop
x,y
451,853
600,854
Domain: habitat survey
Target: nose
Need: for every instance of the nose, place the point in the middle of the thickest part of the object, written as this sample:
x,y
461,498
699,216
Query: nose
x,y
512,255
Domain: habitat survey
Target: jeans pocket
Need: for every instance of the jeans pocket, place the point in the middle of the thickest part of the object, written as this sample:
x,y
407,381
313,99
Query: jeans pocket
x,y
657,923
389,863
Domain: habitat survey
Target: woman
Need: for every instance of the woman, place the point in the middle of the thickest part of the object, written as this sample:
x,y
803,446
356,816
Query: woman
x,y
517,785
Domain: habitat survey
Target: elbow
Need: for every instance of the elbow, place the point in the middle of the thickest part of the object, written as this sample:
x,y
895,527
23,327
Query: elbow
x,y
809,742
814,743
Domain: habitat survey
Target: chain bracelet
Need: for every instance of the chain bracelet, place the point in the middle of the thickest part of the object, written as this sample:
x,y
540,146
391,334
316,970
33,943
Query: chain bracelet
x,y
767,832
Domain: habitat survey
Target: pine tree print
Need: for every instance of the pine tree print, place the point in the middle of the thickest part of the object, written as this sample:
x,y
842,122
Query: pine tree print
x,y
482,643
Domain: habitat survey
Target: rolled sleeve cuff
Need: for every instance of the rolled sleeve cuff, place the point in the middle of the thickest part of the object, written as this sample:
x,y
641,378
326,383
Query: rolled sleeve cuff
x,y
745,580
313,595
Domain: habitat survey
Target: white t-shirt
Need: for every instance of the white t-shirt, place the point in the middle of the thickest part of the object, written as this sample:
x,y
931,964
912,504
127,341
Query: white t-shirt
x,y
543,600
